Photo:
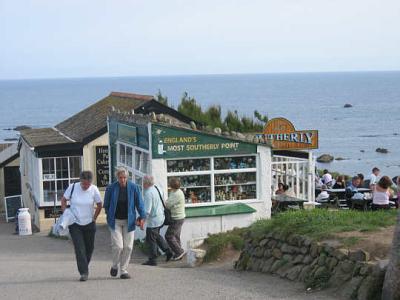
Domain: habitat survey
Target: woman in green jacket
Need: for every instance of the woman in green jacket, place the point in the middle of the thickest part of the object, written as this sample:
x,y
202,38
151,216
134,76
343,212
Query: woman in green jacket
x,y
176,204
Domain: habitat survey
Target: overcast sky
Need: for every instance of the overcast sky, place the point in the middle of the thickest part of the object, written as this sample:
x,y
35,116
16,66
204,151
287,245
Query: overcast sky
x,y
84,38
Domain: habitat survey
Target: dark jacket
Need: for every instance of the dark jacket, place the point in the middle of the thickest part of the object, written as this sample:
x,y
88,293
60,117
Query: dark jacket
x,y
135,203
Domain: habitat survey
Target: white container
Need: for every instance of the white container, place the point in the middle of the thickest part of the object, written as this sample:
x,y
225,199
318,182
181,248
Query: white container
x,y
24,222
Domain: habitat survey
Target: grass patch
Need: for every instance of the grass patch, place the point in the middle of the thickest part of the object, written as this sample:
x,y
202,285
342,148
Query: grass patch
x,y
321,224
217,243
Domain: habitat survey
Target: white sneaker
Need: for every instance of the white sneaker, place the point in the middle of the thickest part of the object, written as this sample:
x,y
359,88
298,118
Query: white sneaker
x,y
179,257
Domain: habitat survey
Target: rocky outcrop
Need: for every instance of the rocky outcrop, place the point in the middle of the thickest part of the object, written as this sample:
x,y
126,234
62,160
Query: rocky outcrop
x,y
318,265
347,105
325,158
382,150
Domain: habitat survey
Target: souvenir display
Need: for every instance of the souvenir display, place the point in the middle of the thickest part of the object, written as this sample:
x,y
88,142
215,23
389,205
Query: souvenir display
x,y
235,192
197,188
188,165
240,162
235,178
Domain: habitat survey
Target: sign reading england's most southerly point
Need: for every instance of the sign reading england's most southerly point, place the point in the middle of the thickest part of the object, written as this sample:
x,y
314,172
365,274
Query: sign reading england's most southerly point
x,y
281,133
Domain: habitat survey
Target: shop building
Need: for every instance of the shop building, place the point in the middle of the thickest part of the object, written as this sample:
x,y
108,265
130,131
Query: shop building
x,y
10,182
226,179
52,158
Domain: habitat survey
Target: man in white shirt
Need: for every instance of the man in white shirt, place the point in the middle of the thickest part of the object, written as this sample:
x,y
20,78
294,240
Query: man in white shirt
x,y
373,178
327,178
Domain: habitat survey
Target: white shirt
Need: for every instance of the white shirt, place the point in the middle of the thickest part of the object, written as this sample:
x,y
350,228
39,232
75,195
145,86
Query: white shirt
x,y
372,179
81,202
327,178
322,196
380,198
154,208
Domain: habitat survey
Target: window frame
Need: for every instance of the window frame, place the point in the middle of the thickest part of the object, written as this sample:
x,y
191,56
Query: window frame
x,y
70,179
212,172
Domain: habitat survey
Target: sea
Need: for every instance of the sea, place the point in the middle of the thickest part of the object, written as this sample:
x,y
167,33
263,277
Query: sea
x,y
309,100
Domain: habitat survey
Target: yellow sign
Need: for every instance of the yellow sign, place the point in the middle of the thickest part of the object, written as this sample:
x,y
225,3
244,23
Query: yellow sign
x,y
281,133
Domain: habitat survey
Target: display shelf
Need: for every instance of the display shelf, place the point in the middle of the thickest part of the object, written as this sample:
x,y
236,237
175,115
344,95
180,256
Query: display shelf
x,y
232,184
196,187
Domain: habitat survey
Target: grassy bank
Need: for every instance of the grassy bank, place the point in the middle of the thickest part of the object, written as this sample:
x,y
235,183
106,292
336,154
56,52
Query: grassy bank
x,y
317,224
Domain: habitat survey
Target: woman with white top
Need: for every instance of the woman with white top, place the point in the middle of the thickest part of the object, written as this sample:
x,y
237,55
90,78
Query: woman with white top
x,y
381,195
82,196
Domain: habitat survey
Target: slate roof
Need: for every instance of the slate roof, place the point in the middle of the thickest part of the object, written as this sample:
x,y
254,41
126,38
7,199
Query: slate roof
x,y
92,121
44,136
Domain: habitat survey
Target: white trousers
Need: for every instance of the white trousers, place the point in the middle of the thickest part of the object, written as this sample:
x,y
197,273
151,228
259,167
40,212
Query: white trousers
x,y
121,245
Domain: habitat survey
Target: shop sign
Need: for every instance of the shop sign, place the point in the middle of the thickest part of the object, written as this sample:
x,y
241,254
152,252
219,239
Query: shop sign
x,y
127,134
12,204
170,142
281,133
102,166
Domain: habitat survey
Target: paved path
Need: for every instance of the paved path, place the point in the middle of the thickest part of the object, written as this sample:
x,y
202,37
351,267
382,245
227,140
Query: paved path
x,y
39,267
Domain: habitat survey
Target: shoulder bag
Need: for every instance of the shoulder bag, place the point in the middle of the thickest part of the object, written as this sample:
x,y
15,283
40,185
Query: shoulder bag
x,y
167,211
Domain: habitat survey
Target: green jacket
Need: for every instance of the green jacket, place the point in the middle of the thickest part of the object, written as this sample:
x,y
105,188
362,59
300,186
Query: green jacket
x,y
176,203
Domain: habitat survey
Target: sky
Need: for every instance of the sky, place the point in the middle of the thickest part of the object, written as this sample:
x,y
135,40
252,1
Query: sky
x,y
101,38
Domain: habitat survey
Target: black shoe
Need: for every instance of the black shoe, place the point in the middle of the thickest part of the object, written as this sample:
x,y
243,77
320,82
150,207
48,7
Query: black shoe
x,y
169,256
150,263
113,272
84,277
125,276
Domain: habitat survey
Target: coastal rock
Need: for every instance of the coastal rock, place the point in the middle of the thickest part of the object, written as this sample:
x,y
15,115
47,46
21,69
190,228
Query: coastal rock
x,y
362,151
325,158
340,158
22,127
347,105
382,150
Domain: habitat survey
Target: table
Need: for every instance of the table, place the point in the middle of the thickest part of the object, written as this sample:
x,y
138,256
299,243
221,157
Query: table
x,y
283,201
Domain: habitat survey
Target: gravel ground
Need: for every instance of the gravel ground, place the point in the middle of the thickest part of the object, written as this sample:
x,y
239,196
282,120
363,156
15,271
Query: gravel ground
x,y
39,267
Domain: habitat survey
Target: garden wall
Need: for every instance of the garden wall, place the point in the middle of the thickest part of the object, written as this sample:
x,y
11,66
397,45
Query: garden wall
x,y
318,265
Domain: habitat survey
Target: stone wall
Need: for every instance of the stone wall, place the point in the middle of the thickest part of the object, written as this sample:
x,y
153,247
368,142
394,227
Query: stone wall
x,y
318,265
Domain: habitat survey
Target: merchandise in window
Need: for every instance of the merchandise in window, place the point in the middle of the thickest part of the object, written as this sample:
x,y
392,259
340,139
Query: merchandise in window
x,y
241,162
197,188
235,179
188,165
235,192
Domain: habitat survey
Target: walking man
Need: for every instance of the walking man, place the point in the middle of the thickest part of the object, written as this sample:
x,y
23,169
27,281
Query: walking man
x,y
155,219
121,202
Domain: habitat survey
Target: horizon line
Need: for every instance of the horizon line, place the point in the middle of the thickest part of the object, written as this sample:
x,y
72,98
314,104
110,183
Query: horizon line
x,y
199,74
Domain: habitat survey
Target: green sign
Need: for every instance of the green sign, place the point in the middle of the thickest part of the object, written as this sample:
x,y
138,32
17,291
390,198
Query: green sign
x,y
174,143
127,133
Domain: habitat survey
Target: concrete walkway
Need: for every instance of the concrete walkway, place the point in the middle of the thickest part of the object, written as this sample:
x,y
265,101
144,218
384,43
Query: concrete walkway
x,y
39,267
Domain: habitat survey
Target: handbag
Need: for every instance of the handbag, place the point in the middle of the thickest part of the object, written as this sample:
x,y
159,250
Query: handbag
x,y
167,211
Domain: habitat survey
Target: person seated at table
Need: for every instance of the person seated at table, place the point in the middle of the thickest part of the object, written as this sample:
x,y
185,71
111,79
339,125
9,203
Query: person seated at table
x,y
381,194
340,183
361,176
352,188
327,178
288,191
323,196
280,189
373,178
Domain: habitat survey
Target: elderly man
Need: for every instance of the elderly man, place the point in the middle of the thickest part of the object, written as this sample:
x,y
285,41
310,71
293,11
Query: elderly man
x,y
154,209
121,202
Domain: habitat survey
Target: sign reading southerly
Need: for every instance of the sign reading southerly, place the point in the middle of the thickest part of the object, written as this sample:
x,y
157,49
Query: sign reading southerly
x,y
102,171
172,143
283,136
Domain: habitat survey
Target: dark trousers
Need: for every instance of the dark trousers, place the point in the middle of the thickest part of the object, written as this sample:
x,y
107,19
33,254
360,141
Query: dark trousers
x,y
173,236
83,239
155,240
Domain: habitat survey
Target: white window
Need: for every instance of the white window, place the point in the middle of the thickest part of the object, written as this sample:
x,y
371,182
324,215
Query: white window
x,y
216,179
136,160
57,174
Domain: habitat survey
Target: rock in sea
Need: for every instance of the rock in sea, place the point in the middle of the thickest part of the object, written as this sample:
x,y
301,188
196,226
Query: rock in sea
x,y
347,105
382,150
325,158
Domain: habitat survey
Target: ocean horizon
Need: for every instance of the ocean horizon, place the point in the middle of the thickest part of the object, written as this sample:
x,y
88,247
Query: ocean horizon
x,y
310,100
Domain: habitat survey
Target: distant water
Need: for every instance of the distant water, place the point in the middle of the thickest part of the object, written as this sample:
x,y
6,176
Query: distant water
x,y
309,100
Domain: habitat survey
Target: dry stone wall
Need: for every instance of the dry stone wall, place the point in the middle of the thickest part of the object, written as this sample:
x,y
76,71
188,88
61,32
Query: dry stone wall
x,y
318,265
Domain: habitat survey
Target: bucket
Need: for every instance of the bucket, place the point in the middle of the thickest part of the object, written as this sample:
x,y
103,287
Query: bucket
x,y
24,222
